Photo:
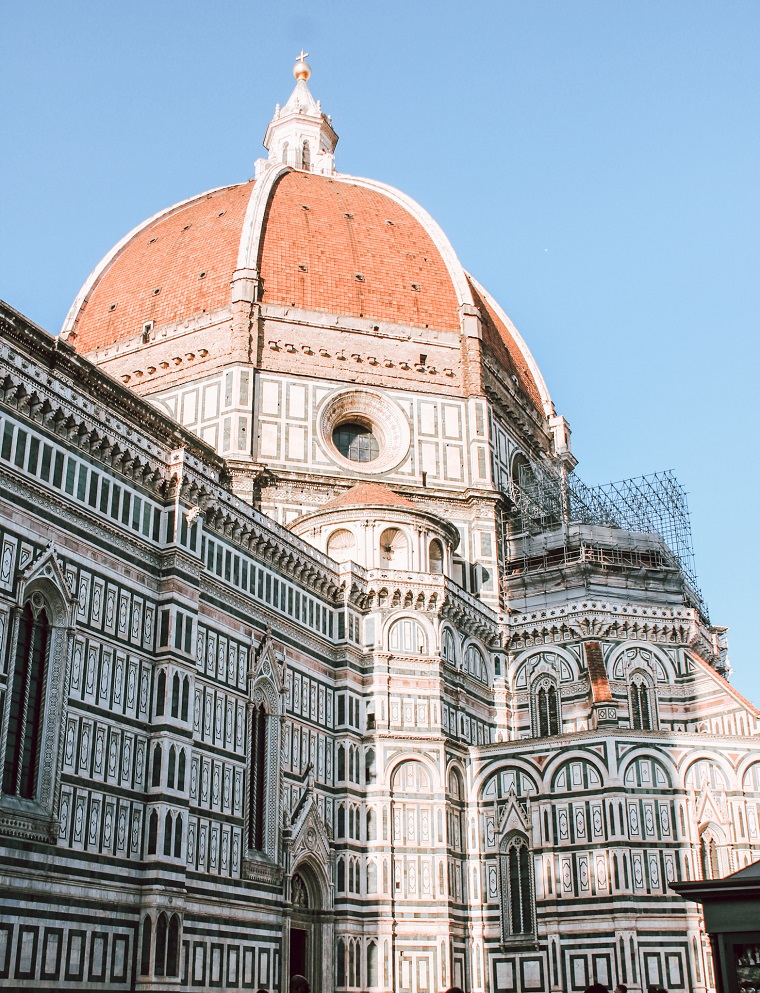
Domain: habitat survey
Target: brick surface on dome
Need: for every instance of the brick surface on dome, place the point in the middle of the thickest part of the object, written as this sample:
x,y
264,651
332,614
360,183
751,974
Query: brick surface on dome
x,y
157,274
498,340
337,247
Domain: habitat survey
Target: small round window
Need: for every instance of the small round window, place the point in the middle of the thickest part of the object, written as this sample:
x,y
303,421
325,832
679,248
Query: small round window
x,y
363,431
357,442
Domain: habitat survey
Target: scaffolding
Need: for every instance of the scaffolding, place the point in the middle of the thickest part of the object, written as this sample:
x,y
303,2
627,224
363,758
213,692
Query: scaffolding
x,y
544,497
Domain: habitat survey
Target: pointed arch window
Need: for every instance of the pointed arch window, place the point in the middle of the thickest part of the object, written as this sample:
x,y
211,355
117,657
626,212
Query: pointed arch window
x,y
147,930
257,790
263,775
641,704
340,963
448,647
172,946
517,901
709,857
152,832
161,930
26,711
474,663
306,156
160,693
546,710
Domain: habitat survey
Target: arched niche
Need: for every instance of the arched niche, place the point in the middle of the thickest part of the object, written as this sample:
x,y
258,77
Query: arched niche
x,y
341,545
394,549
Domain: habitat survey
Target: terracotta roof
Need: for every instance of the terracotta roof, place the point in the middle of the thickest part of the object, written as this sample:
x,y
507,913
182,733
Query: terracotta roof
x,y
334,246
328,244
369,495
600,684
498,339
157,275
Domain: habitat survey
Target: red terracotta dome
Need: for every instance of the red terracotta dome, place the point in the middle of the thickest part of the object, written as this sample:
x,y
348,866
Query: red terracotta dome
x,y
300,236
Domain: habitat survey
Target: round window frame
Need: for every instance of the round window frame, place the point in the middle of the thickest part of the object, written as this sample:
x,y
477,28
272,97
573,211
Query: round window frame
x,y
375,411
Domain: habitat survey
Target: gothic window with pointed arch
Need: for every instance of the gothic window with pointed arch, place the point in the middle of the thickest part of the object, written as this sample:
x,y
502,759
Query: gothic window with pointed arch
x,y
475,664
258,778
517,900
641,696
306,156
263,786
709,857
448,646
547,715
25,720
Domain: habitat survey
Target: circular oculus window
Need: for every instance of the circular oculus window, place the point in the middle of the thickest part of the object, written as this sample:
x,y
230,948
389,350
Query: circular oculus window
x,y
363,430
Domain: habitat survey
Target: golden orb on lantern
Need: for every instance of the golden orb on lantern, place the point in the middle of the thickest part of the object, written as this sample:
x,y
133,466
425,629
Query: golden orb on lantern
x,y
301,70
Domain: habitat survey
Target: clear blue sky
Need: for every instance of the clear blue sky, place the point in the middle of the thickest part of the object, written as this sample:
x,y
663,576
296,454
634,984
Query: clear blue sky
x,y
595,164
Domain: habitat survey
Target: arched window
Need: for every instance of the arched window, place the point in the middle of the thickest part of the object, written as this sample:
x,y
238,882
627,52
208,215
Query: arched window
x,y
178,837
407,636
394,549
341,763
175,695
340,962
371,825
155,779
641,704
341,876
285,147
448,647
172,947
185,697
147,931
475,664
160,693
709,857
25,717
371,877
435,556
516,887
152,832
546,710
171,774
181,772
168,825
341,821
161,929
306,156
257,786
372,964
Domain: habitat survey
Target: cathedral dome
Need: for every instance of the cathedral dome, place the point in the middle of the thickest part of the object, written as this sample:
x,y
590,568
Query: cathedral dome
x,y
299,236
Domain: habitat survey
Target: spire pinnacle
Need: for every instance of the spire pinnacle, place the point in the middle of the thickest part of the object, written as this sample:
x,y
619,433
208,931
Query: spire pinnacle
x,y
300,135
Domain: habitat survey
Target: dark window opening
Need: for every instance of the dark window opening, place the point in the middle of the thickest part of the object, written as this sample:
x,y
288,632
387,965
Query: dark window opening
x,y
257,784
22,752
356,442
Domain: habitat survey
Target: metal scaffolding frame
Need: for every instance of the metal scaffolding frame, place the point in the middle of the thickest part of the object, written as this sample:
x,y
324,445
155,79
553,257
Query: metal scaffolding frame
x,y
544,497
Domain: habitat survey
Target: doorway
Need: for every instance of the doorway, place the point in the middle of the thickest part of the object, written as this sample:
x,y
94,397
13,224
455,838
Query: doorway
x,y
298,952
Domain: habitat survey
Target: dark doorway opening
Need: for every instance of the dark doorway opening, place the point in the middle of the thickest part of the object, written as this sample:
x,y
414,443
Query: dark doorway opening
x,y
298,952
